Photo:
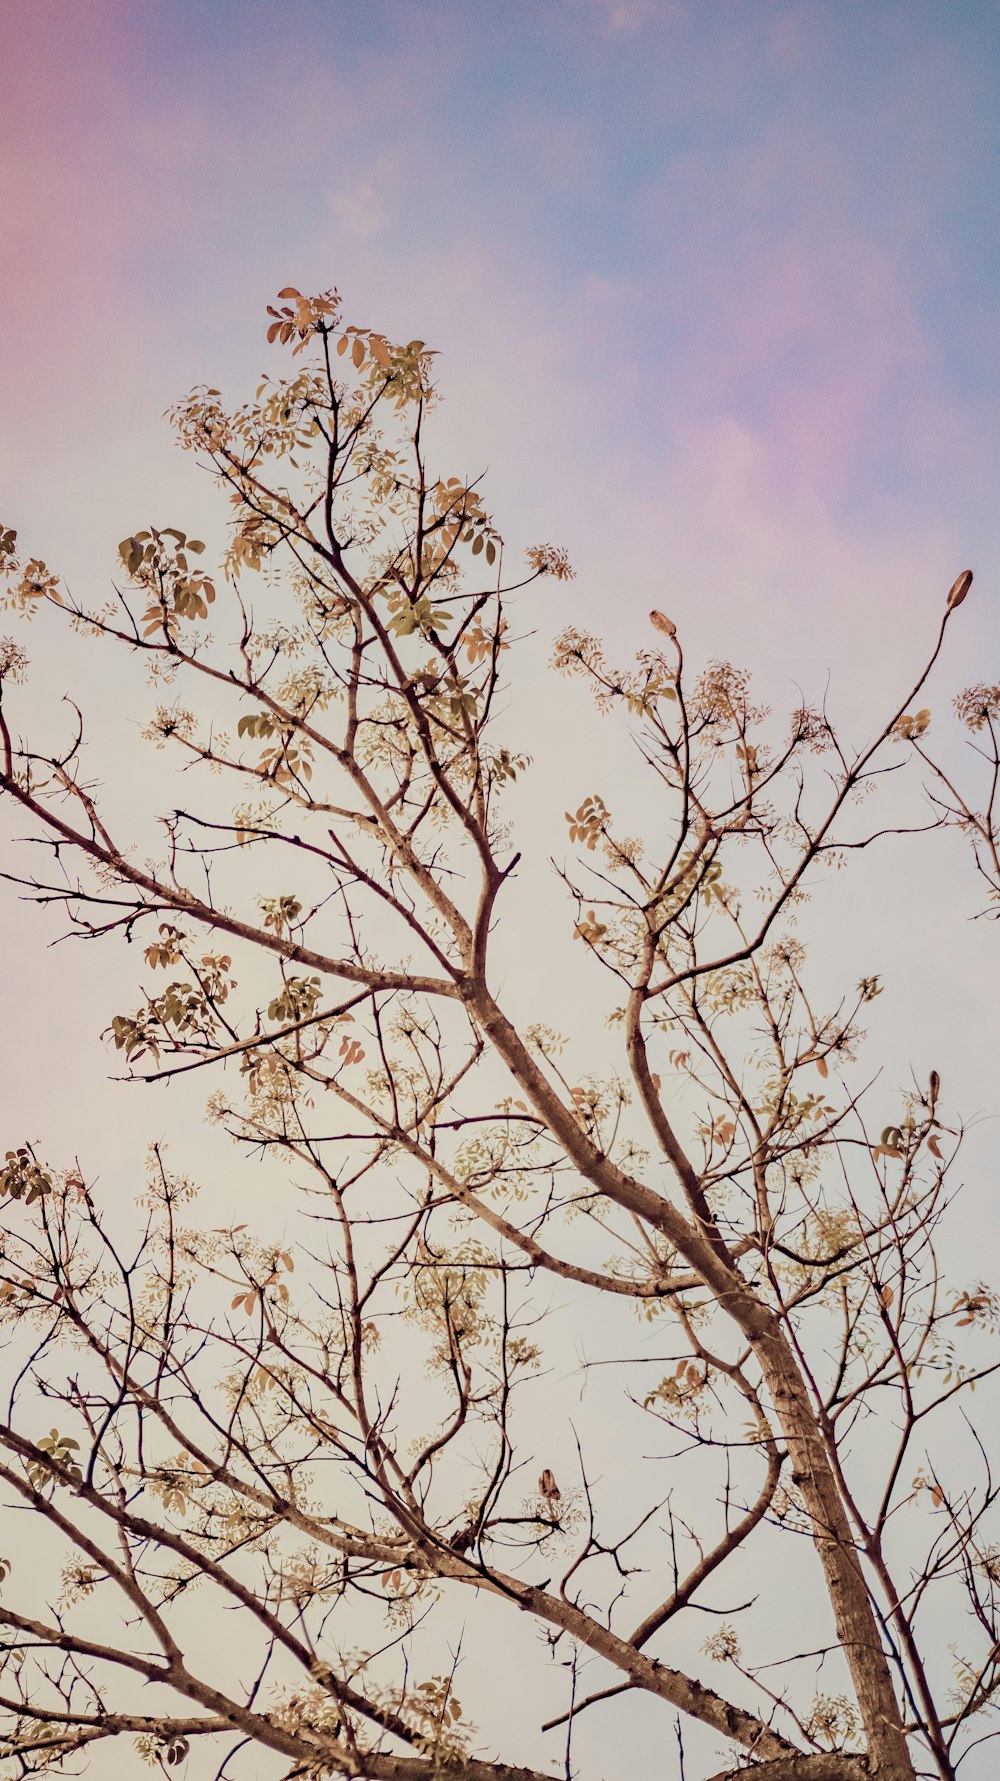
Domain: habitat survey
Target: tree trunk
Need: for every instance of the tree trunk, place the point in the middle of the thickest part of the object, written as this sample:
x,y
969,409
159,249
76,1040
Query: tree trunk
x,y
854,1617
888,1754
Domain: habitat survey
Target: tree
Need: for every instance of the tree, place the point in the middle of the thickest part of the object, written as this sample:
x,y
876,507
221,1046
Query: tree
x,y
333,1433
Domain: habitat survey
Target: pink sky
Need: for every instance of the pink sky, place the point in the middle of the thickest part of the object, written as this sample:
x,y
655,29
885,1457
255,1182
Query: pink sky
x,y
714,289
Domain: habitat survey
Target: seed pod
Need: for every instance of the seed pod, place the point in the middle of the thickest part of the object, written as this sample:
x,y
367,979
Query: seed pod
x,y
959,589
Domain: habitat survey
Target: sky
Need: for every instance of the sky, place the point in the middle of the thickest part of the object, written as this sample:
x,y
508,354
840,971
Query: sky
x,y
714,288
741,260
715,291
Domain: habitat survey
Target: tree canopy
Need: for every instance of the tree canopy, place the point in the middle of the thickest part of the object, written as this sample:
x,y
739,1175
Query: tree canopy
x,y
292,1481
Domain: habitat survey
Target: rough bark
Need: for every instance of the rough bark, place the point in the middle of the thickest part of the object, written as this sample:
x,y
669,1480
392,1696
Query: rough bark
x,y
821,1766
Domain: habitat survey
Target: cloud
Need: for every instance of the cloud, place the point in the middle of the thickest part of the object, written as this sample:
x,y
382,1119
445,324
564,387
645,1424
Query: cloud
x,y
365,205
625,17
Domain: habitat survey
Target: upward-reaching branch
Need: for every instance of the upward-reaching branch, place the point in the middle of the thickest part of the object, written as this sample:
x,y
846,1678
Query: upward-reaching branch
x,y
327,1425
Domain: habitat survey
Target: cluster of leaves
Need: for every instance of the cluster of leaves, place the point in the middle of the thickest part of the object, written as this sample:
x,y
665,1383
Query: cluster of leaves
x,y
296,1001
587,824
22,1177
183,1011
60,1449
24,586
271,1287
301,317
978,705
176,590
912,725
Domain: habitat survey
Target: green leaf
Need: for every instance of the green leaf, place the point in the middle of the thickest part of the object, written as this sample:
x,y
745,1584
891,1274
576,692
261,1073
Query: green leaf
x,y
259,723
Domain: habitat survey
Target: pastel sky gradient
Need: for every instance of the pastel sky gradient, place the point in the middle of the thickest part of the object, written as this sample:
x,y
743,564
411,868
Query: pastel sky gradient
x,y
714,283
740,261
716,287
